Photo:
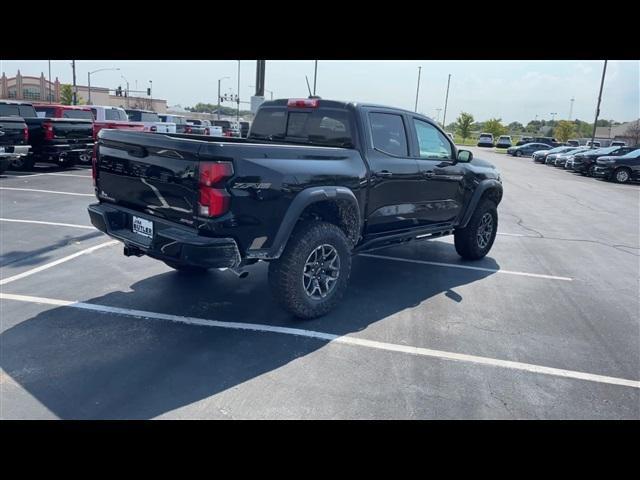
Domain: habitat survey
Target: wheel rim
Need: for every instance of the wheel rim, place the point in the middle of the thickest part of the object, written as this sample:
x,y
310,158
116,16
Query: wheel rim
x,y
84,158
622,176
321,272
483,236
17,163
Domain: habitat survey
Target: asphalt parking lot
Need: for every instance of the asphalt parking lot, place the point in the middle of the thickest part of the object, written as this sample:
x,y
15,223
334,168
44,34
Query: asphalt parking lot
x,y
547,326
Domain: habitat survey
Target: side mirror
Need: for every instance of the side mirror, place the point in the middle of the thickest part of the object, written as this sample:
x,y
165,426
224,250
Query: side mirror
x,y
464,156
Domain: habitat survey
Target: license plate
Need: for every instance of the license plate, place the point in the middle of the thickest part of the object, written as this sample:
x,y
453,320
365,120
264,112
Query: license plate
x,y
142,227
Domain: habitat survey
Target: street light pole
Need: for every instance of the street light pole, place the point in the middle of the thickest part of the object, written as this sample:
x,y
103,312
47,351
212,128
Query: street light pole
x,y
571,108
595,122
89,78
415,108
49,81
446,100
238,96
75,89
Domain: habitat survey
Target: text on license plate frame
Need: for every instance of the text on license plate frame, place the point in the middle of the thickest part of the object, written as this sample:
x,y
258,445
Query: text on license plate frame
x,y
142,226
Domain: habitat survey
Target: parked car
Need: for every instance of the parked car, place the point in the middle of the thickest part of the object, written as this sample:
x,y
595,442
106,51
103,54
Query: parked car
x,y
619,169
540,156
227,127
485,140
558,159
504,141
527,149
112,118
573,143
245,127
209,129
618,143
61,141
595,144
303,192
585,162
14,141
182,126
524,141
151,121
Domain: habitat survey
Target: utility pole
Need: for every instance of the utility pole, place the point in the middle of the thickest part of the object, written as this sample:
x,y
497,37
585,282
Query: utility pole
x,y
446,100
75,90
415,109
315,77
238,97
49,81
219,81
593,135
571,107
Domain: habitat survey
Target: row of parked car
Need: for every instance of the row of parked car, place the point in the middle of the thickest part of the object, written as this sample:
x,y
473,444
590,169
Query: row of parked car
x,y
618,163
66,134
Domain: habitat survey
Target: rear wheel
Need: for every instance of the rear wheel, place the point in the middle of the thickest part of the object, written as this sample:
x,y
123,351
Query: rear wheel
x,y
475,240
311,275
518,153
622,175
183,268
23,163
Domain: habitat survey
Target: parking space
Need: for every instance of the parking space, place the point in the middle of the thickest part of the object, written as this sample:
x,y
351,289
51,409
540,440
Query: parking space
x,y
546,326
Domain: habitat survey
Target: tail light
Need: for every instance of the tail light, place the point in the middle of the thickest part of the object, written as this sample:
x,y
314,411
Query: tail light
x,y
25,132
303,102
226,134
206,131
48,131
187,129
153,128
214,199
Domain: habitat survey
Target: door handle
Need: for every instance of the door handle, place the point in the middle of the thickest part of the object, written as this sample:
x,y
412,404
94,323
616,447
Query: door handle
x,y
384,173
428,173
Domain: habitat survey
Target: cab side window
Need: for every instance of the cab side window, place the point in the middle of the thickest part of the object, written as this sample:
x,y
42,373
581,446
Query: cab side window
x,y
389,135
432,144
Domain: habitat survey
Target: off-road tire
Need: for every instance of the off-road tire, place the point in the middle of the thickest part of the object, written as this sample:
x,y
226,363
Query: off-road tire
x,y
466,239
286,273
188,269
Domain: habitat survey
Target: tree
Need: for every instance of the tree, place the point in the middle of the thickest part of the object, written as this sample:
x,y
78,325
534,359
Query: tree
x,y
495,127
633,132
564,130
515,127
463,125
66,94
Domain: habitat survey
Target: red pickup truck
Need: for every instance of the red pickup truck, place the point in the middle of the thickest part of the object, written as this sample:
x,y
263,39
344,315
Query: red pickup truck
x,y
113,118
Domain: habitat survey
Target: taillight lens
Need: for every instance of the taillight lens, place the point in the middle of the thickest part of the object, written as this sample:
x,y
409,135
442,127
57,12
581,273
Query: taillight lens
x,y
207,131
48,131
25,131
154,128
213,199
187,129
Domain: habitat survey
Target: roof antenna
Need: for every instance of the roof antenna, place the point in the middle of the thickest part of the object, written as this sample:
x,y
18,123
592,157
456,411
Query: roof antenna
x,y
308,87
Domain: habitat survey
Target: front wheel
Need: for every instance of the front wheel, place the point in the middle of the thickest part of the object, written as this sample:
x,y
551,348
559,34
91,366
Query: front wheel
x,y
311,275
23,163
475,240
622,175
518,153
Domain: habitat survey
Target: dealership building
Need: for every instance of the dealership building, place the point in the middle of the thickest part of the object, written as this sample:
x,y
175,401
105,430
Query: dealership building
x,y
39,89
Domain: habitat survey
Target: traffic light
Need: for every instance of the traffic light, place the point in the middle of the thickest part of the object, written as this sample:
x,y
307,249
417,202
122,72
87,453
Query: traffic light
x,y
149,91
119,91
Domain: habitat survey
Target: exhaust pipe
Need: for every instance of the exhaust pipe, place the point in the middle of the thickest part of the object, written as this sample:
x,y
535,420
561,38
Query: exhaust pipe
x,y
237,272
130,251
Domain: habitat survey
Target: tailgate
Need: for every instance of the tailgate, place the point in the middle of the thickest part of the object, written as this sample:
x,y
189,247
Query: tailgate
x,y
11,133
150,173
72,129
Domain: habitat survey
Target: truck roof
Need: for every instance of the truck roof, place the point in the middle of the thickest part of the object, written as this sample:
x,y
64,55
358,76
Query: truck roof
x,y
66,107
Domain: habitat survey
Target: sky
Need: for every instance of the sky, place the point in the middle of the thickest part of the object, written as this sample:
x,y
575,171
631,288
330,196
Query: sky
x,y
510,90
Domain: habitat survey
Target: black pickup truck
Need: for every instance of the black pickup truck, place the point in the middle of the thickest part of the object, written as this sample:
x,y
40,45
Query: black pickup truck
x,y
53,140
14,141
315,182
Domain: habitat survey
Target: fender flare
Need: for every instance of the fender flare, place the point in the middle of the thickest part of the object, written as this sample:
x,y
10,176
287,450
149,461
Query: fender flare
x,y
480,190
301,201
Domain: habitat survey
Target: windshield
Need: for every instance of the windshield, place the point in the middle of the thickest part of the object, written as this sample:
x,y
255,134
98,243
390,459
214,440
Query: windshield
x,y
79,114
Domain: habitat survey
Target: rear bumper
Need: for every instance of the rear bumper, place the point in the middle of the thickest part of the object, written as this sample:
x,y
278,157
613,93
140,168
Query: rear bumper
x,y
169,242
65,150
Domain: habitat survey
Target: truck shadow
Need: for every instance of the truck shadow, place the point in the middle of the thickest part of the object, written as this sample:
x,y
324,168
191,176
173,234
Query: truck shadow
x,y
85,365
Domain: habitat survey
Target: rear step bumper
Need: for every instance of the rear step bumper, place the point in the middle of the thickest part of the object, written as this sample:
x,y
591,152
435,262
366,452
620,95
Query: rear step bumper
x,y
169,242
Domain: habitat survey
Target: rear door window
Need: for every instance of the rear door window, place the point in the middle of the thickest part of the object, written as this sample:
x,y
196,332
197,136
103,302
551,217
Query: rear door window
x,y
388,134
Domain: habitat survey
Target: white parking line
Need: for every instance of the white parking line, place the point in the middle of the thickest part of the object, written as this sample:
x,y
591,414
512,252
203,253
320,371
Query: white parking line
x,y
514,234
468,267
40,174
48,191
331,338
37,222
4,281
